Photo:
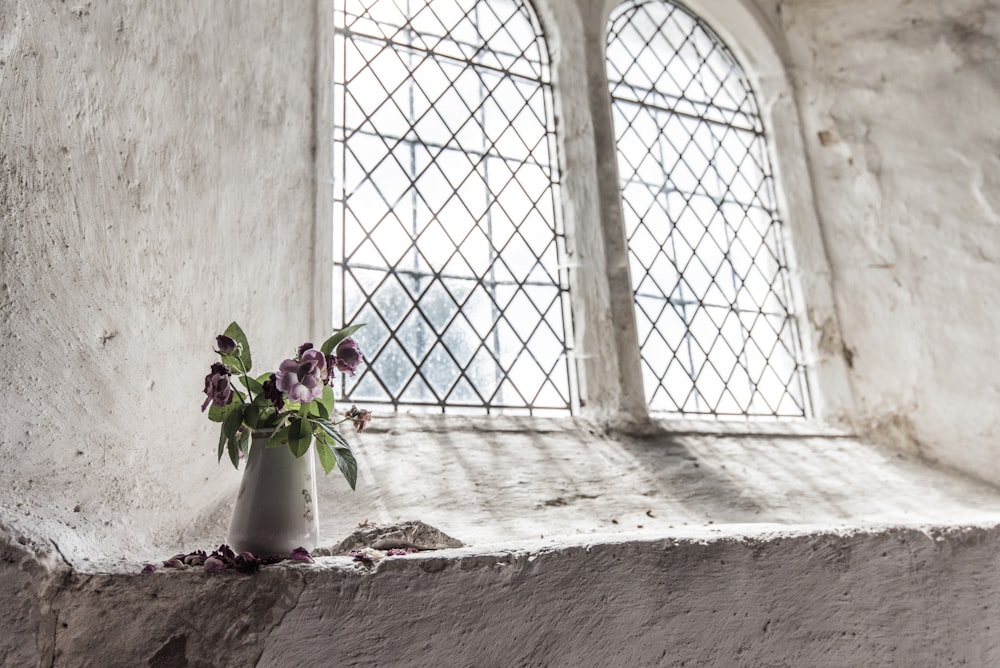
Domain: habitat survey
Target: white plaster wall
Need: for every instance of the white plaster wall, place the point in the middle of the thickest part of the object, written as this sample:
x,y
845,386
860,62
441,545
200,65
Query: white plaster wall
x,y
898,104
155,182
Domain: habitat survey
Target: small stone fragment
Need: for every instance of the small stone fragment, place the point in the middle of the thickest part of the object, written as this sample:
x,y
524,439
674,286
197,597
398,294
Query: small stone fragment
x,y
413,534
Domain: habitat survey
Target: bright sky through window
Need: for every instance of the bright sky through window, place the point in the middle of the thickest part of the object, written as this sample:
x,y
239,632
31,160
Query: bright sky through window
x,y
448,241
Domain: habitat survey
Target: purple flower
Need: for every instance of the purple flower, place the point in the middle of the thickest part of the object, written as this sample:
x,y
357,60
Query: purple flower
x,y
214,566
400,551
362,556
227,346
348,356
217,388
301,554
273,394
304,347
302,380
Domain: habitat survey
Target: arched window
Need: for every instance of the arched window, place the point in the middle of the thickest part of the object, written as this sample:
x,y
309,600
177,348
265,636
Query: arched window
x,y
448,240
705,242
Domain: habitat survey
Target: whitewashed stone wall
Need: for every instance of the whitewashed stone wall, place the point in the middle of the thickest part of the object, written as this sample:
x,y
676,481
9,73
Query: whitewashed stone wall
x,y
157,180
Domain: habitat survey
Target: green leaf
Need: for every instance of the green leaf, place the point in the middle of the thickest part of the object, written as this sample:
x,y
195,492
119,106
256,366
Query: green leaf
x,y
347,464
236,334
299,436
269,419
244,443
233,421
327,400
278,438
326,457
234,455
317,409
219,413
234,364
332,342
222,442
251,415
252,385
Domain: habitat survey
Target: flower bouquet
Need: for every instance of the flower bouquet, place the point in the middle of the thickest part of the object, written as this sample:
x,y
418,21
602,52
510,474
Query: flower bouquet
x,y
295,403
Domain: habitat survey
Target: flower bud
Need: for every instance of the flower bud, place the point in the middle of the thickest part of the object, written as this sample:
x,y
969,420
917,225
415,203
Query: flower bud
x,y
227,346
348,356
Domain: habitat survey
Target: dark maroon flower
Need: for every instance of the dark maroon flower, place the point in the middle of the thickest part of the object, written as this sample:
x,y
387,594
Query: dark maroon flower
x,y
218,391
246,563
273,394
227,346
301,554
348,356
271,559
214,566
304,347
224,552
148,568
331,364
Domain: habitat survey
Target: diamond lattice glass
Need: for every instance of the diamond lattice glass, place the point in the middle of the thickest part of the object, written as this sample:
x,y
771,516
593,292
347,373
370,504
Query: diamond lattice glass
x,y
447,238
708,269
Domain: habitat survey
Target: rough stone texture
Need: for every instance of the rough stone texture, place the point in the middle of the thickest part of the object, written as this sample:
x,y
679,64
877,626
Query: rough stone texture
x,y
791,598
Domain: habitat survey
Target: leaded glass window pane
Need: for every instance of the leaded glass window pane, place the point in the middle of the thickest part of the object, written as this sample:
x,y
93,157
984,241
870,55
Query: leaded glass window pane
x,y
448,240
709,275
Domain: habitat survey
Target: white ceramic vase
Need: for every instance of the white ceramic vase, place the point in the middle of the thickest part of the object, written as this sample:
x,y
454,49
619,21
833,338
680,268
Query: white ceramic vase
x,y
276,508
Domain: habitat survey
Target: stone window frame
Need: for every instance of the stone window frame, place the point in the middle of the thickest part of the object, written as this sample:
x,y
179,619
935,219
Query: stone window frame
x,y
608,364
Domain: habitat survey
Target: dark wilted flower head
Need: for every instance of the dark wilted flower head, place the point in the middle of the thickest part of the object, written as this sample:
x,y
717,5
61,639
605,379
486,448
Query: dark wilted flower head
x,y
247,563
304,347
331,364
224,552
360,417
227,346
218,391
273,394
348,356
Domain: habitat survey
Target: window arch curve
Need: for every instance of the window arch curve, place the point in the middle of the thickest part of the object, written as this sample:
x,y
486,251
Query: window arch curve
x,y
448,240
707,262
